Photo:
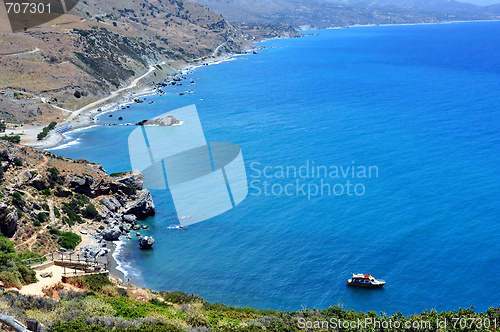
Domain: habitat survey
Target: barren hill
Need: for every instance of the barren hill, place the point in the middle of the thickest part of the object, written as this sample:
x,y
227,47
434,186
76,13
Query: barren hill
x,y
101,46
339,13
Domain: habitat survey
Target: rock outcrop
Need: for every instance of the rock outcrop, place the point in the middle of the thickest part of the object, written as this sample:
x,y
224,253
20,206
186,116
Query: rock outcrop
x,y
36,180
111,234
134,179
9,220
111,203
143,207
130,218
164,121
39,182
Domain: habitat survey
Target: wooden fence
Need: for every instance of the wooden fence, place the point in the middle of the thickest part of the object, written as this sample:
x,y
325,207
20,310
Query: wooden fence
x,y
73,264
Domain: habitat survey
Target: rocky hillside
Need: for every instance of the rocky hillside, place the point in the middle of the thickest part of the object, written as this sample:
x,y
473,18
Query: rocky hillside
x,y
100,47
340,13
44,196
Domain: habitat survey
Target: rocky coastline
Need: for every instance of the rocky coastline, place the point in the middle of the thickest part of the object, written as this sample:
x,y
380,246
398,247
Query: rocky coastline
x,y
47,199
121,215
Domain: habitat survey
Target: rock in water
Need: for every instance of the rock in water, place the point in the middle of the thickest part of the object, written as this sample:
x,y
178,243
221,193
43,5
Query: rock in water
x,y
164,121
146,242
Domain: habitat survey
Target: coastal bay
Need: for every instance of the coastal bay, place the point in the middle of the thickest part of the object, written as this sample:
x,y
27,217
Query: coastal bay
x,y
395,97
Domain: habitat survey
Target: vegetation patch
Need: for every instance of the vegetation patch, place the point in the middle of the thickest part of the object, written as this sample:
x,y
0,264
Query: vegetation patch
x,y
69,240
45,131
118,174
13,138
14,271
181,297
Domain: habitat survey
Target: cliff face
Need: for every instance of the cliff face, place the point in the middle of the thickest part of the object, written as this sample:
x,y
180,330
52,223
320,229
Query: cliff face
x,y
41,191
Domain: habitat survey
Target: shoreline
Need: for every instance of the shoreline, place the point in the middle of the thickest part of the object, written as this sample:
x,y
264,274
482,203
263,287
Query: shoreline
x,y
116,268
309,28
83,118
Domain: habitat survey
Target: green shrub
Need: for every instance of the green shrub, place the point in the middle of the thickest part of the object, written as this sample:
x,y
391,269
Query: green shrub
x,y
28,275
78,325
122,291
57,214
67,221
13,272
128,308
42,217
95,306
18,161
109,290
96,282
13,139
81,199
10,279
118,174
69,240
6,246
45,131
181,297
30,254
45,206
17,199
54,231
37,223
54,176
46,192
72,210
91,212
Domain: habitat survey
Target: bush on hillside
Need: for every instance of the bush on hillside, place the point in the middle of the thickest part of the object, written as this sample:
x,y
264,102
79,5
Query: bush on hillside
x,y
91,212
13,271
181,297
69,240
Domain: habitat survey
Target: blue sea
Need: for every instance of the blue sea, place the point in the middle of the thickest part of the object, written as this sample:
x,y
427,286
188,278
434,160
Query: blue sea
x,y
418,106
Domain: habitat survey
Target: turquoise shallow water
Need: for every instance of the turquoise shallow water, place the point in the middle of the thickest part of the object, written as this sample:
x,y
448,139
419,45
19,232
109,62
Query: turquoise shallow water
x,y
420,104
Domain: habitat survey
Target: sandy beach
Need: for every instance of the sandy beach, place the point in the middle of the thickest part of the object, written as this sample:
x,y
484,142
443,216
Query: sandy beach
x,y
86,232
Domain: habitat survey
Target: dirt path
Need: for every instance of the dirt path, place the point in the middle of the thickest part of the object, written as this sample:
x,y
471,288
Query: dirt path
x,y
21,52
53,139
132,85
29,242
52,215
43,163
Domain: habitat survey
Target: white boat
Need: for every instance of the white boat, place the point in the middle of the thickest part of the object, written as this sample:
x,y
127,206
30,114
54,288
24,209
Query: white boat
x,y
364,280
